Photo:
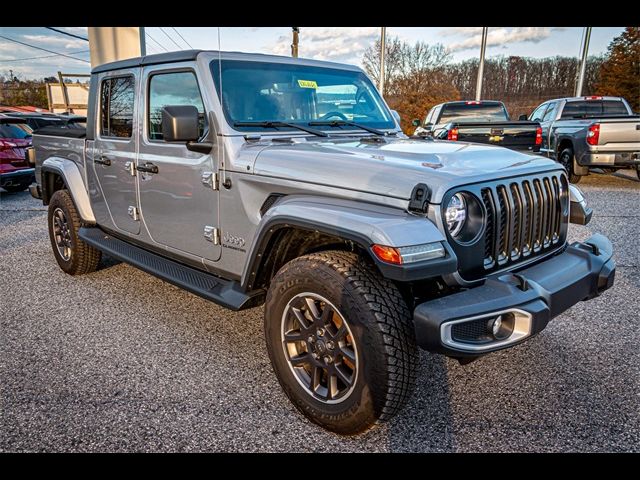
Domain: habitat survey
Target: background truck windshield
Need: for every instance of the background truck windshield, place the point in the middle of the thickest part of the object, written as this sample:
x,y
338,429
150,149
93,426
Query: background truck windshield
x,y
466,113
258,92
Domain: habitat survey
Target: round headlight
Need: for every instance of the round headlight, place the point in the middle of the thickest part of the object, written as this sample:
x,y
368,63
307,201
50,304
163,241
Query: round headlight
x,y
456,214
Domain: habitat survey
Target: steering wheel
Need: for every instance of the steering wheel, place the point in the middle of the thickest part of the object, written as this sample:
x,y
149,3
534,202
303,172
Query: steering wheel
x,y
334,114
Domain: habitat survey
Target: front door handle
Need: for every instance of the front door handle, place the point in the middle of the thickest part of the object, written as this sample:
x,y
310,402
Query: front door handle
x,y
102,161
148,168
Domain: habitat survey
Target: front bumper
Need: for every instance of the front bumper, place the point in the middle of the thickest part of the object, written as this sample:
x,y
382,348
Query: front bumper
x,y
611,159
531,297
15,177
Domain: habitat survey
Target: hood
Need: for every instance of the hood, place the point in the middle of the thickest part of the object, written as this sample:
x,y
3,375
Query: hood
x,y
392,167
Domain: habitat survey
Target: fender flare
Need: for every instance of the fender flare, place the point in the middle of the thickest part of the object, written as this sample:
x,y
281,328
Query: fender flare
x,y
72,178
363,223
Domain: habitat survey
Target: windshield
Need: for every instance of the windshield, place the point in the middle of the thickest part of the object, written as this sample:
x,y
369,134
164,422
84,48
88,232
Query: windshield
x,y
14,130
299,94
467,113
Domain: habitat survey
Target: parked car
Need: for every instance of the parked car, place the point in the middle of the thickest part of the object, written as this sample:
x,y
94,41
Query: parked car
x,y
37,120
586,132
218,172
15,172
485,121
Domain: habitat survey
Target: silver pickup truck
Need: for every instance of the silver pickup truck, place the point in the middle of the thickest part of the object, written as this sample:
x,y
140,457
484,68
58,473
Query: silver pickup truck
x,y
256,180
593,131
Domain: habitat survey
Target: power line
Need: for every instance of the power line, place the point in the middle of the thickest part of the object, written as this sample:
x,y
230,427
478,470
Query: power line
x,y
180,35
159,44
67,33
44,49
36,58
170,38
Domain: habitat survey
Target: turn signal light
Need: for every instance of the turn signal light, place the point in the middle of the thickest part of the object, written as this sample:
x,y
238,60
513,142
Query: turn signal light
x,y
387,254
539,136
411,254
453,134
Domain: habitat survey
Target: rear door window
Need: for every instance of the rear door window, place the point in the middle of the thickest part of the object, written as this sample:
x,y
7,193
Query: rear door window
x,y
116,107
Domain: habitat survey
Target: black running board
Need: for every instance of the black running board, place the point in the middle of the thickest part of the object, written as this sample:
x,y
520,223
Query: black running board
x,y
223,292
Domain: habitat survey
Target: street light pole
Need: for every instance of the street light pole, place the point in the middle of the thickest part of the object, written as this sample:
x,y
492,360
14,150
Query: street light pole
x,y
483,48
294,45
583,62
383,47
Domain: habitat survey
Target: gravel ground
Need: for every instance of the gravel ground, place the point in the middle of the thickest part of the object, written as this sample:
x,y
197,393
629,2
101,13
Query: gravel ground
x,y
121,361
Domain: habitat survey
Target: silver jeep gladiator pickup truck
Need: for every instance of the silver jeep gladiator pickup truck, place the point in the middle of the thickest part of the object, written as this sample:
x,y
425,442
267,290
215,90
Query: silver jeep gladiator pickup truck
x,y
262,180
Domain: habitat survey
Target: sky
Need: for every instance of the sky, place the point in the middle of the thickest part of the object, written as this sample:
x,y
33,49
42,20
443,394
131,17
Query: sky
x,y
341,44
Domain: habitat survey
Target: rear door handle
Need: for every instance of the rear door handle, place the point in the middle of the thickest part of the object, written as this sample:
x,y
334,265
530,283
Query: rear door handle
x,y
102,161
148,168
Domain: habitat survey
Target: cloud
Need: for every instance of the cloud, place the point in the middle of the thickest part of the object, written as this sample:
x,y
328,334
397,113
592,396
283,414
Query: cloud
x,y
340,44
496,36
57,40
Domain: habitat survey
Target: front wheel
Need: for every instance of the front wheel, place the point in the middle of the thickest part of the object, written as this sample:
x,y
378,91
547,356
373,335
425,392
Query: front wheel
x,y
566,159
341,341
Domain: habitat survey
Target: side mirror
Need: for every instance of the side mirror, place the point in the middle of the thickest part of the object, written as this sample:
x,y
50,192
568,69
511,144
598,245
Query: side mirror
x,y
522,117
415,122
579,213
180,123
396,115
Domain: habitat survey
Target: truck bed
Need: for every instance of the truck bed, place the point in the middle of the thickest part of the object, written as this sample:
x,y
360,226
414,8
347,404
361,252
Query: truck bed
x,y
518,135
63,143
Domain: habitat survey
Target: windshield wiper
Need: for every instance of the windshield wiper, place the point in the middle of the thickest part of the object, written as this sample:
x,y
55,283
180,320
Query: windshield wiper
x,y
342,123
313,131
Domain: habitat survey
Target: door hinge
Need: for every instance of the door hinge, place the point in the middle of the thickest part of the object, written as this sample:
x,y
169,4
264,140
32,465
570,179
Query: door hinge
x,y
131,168
210,179
212,234
133,213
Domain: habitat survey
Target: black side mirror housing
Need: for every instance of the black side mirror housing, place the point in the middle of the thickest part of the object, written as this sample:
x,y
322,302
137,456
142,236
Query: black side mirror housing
x,y
180,123
522,117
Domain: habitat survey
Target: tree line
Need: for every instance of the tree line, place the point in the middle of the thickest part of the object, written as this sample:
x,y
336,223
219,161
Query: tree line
x,y
419,76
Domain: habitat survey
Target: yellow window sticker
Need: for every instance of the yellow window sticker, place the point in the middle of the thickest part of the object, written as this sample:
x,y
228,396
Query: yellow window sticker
x,y
307,84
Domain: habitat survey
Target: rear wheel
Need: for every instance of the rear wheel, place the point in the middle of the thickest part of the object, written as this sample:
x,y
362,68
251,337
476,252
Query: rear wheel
x,y
74,256
341,341
566,159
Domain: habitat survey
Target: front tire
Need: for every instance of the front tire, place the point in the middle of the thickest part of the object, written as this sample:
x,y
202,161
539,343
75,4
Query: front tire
x,y
566,159
341,341
74,256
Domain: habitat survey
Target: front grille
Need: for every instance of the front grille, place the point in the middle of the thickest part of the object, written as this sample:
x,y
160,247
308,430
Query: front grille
x,y
474,331
524,218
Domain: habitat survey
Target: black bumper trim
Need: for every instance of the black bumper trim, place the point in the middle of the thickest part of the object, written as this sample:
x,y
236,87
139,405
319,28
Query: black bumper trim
x,y
544,290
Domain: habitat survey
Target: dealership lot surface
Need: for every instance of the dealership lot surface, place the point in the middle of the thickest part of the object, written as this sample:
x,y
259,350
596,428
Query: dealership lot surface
x,y
120,361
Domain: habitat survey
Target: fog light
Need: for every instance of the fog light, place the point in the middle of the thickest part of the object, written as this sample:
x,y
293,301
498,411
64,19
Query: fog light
x,y
501,327
495,328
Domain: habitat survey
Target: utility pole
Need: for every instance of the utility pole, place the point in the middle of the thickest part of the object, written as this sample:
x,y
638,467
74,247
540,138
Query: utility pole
x,y
483,48
383,47
583,61
294,45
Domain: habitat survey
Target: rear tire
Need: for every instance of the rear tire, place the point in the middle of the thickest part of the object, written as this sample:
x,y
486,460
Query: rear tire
x,y
566,159
310,301
74,256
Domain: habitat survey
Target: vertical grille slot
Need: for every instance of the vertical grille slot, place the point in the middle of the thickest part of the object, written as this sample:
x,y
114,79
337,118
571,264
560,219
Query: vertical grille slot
x,y
490,233
502,216
557,217
526,218
517,241
540,216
